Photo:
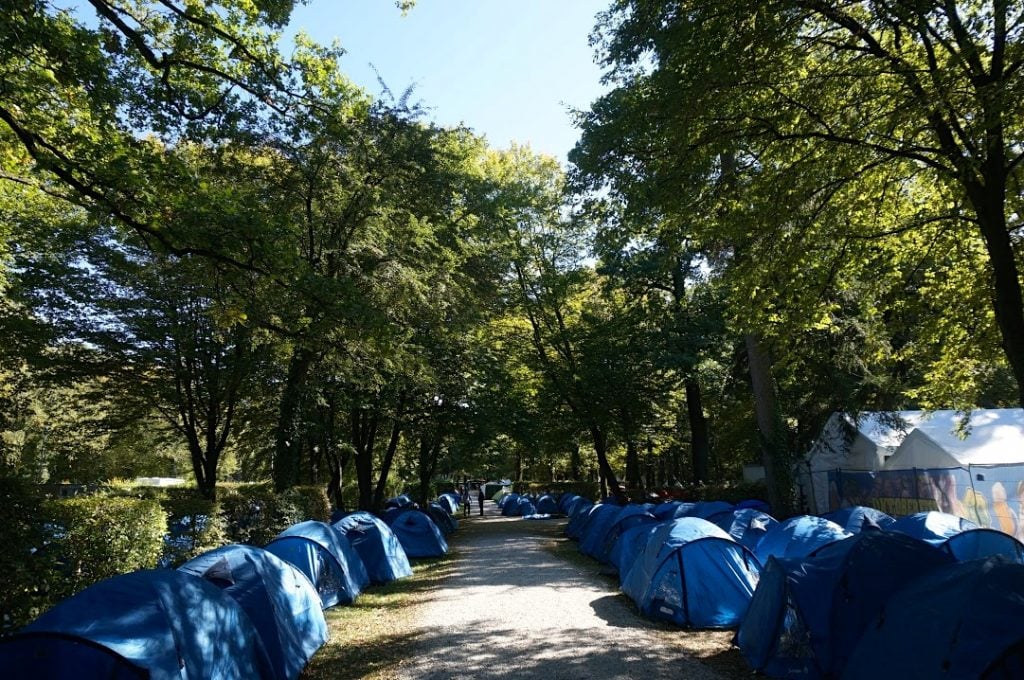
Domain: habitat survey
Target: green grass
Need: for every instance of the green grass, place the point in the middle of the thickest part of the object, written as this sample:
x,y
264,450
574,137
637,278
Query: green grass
x,y
368,639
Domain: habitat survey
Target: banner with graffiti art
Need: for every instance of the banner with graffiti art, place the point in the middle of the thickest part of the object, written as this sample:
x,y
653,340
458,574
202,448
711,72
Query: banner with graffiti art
x,y
989,495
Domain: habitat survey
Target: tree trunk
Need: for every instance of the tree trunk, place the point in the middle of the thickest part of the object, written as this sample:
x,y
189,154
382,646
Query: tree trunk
x,y
575,462
609,483
700,441
774,456
364,437
389,456
430,448
286,450
990,206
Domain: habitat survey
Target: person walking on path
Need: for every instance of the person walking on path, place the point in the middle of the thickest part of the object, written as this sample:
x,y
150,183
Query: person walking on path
x,y
467,502
480,500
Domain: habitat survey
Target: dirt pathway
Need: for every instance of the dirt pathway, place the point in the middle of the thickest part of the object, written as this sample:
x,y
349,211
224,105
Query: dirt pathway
x,y
518,603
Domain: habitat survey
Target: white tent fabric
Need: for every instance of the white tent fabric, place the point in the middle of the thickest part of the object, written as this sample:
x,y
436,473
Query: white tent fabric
x,y
948,439
851,443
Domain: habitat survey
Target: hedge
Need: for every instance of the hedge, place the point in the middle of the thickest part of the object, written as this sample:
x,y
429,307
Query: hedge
x,y
23,594
91,538
254,514
195,525
310,502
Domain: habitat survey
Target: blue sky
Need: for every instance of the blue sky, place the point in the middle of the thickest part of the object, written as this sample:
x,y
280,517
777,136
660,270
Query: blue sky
x,y
509,69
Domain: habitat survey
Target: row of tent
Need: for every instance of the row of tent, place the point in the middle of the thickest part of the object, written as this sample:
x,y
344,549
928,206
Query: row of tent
x,y
852,595
234,612
516,505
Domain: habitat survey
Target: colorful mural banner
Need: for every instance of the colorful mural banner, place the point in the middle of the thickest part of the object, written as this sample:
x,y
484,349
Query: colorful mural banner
x,y
989,495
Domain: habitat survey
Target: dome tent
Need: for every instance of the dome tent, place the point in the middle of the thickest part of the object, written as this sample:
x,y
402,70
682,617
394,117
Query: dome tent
x,y
933,526
546,504
692,573
957,621
378,547
325,557
418,534
161,624
704,509
747,526
450,502
401,501
445,522
666,511
579,517
593,532
798,537
630,545
278,598
628,517
977,544
807,613
565,500
857,518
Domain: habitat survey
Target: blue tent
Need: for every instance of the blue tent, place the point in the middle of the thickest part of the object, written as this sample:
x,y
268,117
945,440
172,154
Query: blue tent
x,y
378,547
325,557
418,535
976,544
934,527
705,509
445,522
161,624
798,537
398,501
523,507
546,504
565,500
630,545
278,598
958,621
692,573
628,517
860,517
754,504
450,502
509,504
747,526
600,520
391,514
578,517
808,613
668,510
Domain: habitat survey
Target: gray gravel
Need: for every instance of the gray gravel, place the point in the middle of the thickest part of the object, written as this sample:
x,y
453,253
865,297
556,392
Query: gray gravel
x,y
513,607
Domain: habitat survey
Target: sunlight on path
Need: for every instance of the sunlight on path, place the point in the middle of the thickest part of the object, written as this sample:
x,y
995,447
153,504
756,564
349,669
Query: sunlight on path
x,y
513,608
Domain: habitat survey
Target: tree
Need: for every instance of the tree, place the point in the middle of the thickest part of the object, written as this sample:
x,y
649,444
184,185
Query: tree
x,y
894,91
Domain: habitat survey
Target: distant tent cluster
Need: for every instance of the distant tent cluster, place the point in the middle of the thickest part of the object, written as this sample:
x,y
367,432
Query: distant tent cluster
x,y
527,506
234,612
814,597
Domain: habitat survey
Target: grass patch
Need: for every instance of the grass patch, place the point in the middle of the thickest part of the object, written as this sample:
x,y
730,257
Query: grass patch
x,y
371,637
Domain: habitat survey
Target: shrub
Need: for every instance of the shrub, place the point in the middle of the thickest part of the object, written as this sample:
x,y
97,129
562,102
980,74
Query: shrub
x,y
254,514
95,537
22,592
194,525
310,501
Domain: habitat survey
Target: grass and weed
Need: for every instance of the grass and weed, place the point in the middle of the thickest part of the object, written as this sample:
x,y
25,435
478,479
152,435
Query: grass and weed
x,y
371,637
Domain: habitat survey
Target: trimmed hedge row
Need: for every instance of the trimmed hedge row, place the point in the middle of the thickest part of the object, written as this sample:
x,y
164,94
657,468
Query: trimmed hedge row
x,y
57,547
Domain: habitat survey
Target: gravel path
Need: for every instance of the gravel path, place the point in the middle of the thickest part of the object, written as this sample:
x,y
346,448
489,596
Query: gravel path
x,y
518,604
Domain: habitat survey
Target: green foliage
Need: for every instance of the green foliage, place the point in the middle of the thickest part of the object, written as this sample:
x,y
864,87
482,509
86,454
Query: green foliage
x,y
254,514
23,588
95,537
195,525
310,502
